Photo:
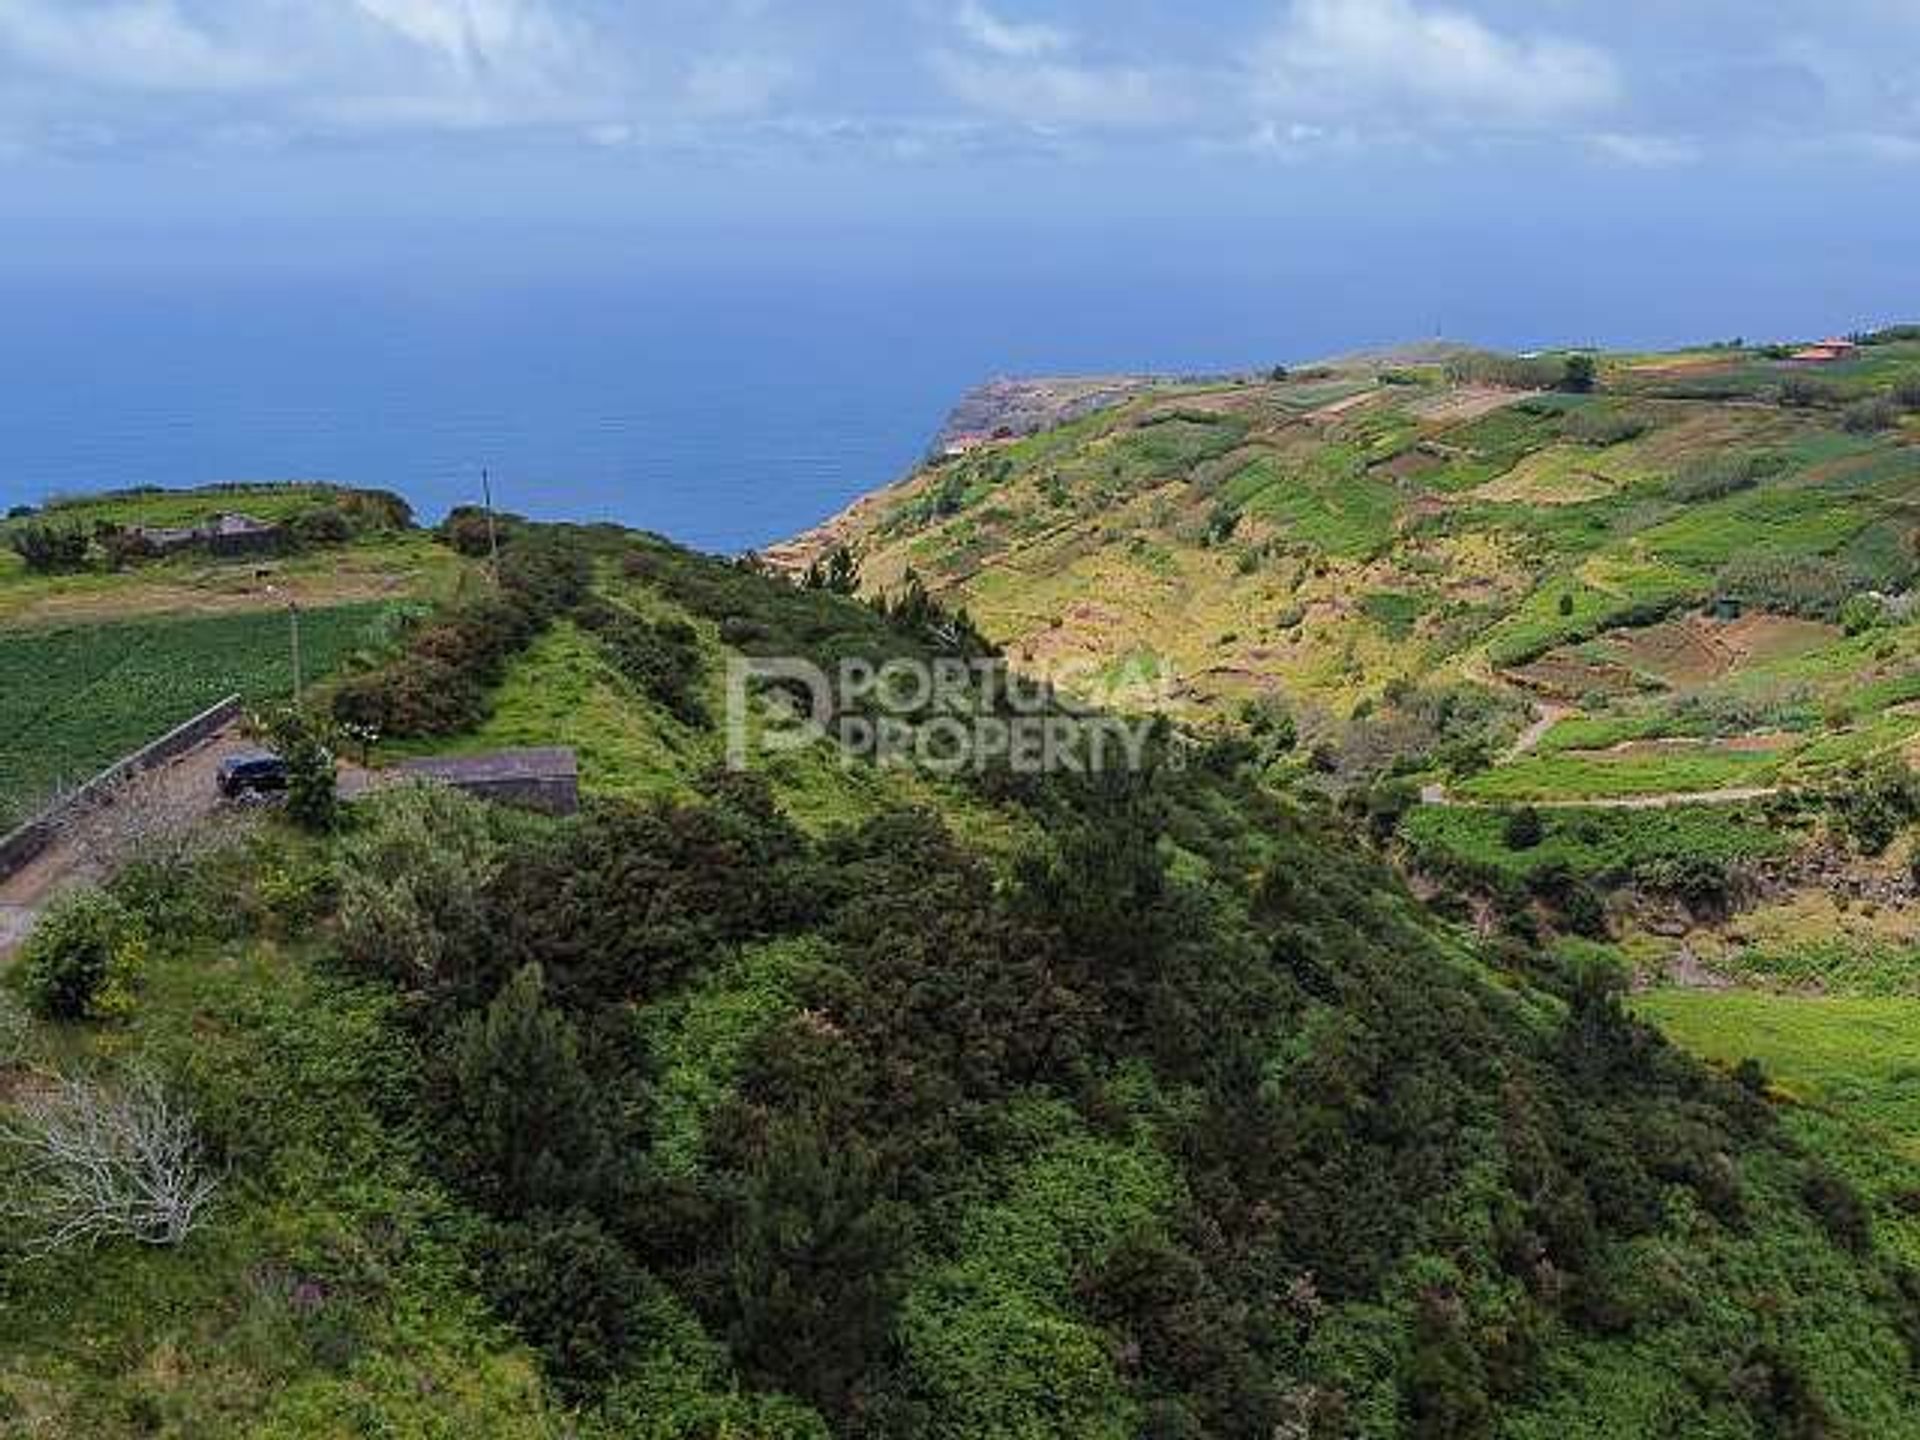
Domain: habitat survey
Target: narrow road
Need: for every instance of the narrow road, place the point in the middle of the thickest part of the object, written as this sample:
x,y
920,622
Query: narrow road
x,y
185,787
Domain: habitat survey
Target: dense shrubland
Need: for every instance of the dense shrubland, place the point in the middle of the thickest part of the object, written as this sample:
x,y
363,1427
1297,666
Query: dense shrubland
x,y
1183,1122
1178,1117
1122,1142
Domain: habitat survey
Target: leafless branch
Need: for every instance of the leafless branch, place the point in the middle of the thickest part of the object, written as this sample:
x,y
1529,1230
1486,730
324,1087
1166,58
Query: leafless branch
x,y
92,1162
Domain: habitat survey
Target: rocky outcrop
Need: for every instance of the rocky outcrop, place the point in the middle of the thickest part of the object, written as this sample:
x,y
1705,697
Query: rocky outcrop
x,y
1008,407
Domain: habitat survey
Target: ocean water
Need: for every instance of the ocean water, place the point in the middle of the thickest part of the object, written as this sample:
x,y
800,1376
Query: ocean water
x,y
727,395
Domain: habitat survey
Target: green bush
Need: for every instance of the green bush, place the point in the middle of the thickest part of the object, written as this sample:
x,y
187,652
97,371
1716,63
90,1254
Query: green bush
x,y
16,1029
1870,416
1873,800
1718,476
1802,392
520,1124
1578,374
1601,426
413,878
83,957
438,685
306,743
323,526
664,660
50,549
1809,586
1524,830
571,1290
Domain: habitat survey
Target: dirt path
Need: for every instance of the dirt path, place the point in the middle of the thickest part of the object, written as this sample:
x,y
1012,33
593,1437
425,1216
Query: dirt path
x,y
186,786
1546,715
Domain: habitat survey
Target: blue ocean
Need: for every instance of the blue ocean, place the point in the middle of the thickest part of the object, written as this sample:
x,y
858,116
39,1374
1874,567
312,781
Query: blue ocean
x,y
728,398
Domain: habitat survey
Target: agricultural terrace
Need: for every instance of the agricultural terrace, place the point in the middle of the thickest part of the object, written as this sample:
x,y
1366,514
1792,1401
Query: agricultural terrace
x,y
1698,570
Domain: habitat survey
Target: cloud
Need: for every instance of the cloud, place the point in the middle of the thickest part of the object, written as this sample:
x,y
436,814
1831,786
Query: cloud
x,y
1644,152
732,86
1053,93
1007,38
1404,60
1029,74
480,40
128,44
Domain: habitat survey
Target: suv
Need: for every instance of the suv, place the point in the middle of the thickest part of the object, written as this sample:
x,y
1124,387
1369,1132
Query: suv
x,y
253,773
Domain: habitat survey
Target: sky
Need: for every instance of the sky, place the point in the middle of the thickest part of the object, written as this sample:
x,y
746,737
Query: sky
x,y
1783,135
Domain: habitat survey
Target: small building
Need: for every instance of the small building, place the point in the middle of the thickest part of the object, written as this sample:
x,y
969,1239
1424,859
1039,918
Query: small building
x,y
545,778
233,535
1825,353
227,536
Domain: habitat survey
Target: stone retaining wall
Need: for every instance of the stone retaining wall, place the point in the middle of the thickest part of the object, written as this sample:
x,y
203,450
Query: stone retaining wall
x,y
20,847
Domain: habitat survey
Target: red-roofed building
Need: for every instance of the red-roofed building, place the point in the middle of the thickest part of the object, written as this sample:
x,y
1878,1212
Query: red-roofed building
x,y
1825,353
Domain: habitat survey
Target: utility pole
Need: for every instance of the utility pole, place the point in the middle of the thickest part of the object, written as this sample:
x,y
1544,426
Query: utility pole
x,y
293,618
493,537
293,624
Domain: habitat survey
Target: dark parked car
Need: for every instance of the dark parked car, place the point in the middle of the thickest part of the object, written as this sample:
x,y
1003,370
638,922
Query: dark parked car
x,y
255,773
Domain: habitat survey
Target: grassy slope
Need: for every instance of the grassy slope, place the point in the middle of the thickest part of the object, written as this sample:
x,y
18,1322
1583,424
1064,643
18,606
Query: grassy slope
x,y
326,1297
1253,545
217,1342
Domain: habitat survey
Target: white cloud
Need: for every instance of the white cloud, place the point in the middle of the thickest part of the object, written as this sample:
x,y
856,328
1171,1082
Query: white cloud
x,y
1057,93
130,44
1402,59
1012,39
481,41
1644,152
732,86
1027,73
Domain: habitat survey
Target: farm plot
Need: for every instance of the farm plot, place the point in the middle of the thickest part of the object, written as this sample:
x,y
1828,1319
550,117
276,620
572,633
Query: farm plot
x,y
72,700
1638,769
1859,1056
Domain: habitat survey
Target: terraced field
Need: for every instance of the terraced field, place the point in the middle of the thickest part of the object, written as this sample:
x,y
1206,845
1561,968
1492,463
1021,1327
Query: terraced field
x,y
1707,579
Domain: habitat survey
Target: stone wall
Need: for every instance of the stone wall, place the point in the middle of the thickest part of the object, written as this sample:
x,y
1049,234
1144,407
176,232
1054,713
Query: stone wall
x,y
20,847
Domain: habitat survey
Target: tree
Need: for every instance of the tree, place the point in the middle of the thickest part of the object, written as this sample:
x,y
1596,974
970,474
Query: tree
x,y
572,1291
414,879
1524,829
82,958
520,1116
1566,603
837,572
816,1254
50,549
93,1162
1579,374
306,743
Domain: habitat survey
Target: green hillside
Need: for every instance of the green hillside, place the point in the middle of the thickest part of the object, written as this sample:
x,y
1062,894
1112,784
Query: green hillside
x,y
828,1097
1699,565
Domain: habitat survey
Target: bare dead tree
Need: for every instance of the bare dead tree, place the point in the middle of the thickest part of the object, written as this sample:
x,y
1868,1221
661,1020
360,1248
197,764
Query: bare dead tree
x,y
88,1161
